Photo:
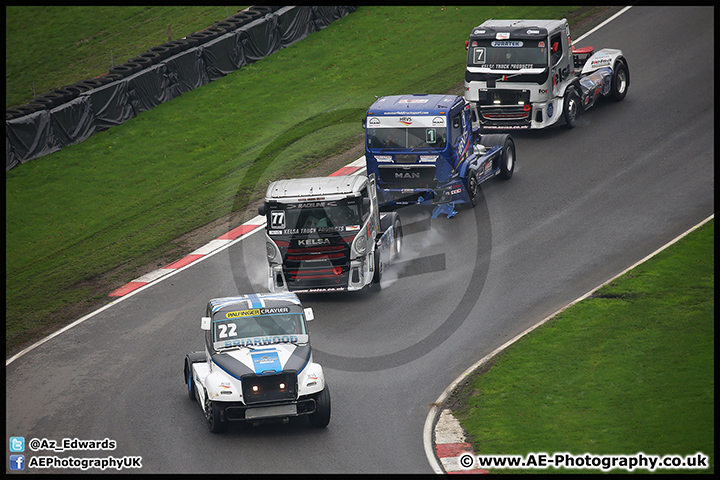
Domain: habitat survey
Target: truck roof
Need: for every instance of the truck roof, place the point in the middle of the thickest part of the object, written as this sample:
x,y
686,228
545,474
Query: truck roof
x,y
250,301
517,28
414,104
300,187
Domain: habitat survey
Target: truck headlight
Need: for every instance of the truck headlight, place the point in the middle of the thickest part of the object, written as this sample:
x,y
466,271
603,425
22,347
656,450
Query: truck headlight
x,y
271,250
360,244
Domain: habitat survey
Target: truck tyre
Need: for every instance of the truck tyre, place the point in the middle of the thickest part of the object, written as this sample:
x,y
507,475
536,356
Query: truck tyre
x,y
212,416
377,273
321,417
473,188
620,82
571,107
190,383
397,230
507,160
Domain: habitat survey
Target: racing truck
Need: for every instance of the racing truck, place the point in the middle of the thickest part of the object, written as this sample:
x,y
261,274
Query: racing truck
x,y
424,150
257,365
326,234
527,74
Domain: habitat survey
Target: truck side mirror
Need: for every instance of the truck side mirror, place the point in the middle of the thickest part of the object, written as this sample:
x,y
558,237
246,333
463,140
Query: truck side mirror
x,y
205,323
363,122
309,315
261,210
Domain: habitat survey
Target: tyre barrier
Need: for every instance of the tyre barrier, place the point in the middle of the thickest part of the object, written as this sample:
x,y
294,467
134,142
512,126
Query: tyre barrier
x,y
179,45
162,52
242,18
261,9
92,83
30,138
55,98
144,62
153,57
227,25
126,69
201,37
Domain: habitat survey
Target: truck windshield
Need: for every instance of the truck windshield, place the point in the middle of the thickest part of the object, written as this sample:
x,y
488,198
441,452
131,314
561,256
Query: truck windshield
x,y
407,138
258,325
311,217
508,55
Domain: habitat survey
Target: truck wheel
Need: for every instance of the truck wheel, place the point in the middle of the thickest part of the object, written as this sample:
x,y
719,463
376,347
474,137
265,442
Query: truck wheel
x,y
571,107
473,188
321,417
190,383
212,416
397,229
620,82
507,162
377,274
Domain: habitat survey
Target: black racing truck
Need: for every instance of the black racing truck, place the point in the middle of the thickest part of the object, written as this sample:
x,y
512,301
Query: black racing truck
x,y
326,234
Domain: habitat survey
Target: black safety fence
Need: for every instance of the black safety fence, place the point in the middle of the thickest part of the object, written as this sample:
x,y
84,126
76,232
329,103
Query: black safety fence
x,y
71,115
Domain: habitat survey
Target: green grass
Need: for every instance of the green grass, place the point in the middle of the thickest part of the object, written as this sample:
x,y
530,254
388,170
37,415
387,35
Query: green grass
x,y
81,222
50,47
630,369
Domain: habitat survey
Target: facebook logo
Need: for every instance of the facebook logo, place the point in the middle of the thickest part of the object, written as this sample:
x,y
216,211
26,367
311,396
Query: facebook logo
x,y
17,444
17,462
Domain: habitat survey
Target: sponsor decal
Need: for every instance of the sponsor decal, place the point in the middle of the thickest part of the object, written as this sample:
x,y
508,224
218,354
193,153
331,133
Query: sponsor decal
x,y
407,121
407,175
374,122
259,341
266,362
311,242
508,43
257,311
550,110
599,62
438,122
414,100
277,219
502,35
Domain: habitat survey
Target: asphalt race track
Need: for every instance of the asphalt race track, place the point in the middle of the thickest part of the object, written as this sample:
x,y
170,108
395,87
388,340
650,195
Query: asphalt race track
x,y
582,206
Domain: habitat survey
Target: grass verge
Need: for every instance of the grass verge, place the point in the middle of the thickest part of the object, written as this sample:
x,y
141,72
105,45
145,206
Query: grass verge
x,y
628,370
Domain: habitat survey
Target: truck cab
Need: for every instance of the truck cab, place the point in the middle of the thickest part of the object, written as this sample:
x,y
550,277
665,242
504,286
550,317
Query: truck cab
x,y
526,74
415,145
326,234
533,60
424,150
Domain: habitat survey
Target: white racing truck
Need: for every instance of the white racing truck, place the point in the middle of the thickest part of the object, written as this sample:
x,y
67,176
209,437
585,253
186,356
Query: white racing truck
x,y
257,365
326,234
526,74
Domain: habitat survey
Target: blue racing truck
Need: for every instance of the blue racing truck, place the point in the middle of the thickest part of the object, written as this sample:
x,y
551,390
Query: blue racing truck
x,y
423,149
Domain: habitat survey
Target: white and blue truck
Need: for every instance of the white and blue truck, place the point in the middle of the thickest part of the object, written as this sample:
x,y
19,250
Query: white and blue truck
x,y
257,364
423,149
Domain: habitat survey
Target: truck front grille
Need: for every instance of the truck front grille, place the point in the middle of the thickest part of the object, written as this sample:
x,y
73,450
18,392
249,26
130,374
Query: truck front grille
x,y
269,388
407,177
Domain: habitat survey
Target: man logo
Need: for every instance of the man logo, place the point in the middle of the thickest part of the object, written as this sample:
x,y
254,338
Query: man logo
x,y
407,175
